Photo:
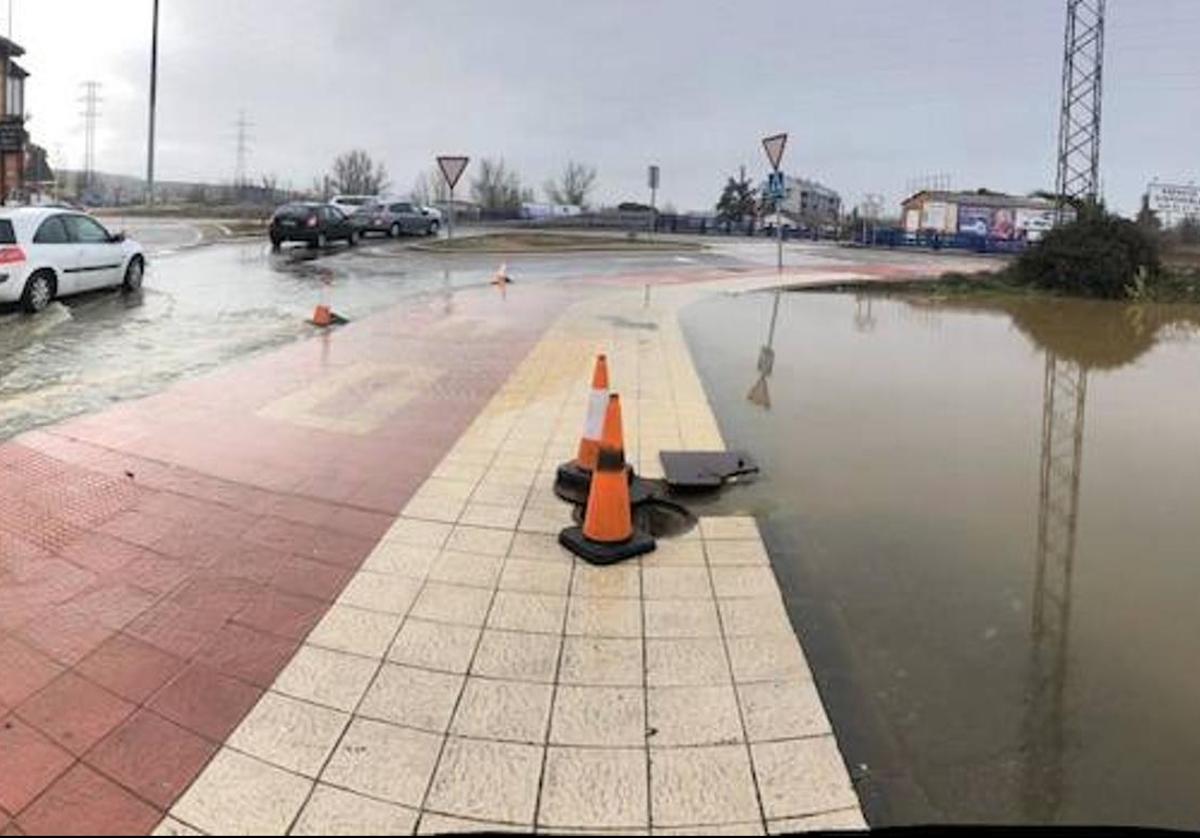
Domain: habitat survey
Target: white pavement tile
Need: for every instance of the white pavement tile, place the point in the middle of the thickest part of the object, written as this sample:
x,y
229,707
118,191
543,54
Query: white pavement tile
x,y
732,553
447,648
782,710
471,569
289,733
673,582
384,592
681,618
435,824
498,516
355,630
755,616
332,811
170,826
672,552
513,711
323,676
240,795
597,617
744,581
731,527
540,547
685,662
401,559
843,820
602,661
599,716
753,828
491,781
802,777
517,611
412,697
481,540
766,658
620,580
419,533
384,761
697,786
533,576
592,788
694,716
517,656
441,602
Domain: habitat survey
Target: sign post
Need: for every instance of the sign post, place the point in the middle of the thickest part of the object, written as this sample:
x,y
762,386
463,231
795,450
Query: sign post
x,y
652,180
452,169
773,146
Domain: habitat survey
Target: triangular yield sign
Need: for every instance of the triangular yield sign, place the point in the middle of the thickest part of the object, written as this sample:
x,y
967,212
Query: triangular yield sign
x,y
759,394
773,145
452,168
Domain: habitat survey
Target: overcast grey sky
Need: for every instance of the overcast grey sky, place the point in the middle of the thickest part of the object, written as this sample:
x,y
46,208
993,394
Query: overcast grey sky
x,y
873,92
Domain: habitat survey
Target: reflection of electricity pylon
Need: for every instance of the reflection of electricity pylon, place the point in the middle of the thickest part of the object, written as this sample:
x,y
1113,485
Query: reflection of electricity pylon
x,y
1064,397
864,319
759,394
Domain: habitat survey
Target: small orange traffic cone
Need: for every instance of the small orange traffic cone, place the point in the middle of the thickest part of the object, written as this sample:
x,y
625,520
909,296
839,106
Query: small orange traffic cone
x,y
501,276
323,315
575,477
608,535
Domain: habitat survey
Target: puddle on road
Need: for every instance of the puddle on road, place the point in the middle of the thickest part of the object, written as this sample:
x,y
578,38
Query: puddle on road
x,y
1005,632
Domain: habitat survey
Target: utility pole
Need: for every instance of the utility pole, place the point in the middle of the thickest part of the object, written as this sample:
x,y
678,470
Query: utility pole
x,y
243,150
90,100
1078,178
153,103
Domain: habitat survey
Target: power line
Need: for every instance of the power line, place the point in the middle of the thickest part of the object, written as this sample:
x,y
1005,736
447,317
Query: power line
x,y
90,100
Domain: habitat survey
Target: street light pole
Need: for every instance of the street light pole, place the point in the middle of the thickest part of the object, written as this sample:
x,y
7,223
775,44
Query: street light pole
x,y
153,101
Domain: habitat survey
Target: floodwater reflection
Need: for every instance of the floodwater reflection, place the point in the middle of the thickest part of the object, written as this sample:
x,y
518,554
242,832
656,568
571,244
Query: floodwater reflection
x,y
994,647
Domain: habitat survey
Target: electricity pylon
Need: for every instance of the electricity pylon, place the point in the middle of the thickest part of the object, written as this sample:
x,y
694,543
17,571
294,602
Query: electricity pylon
x,y
1079,121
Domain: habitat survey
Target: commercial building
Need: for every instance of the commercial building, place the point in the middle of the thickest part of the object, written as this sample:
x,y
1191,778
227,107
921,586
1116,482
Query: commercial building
x,y
13,139
807,201
993,215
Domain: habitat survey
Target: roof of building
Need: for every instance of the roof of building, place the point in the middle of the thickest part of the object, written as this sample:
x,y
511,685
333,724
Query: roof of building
x,y
10,48
978,198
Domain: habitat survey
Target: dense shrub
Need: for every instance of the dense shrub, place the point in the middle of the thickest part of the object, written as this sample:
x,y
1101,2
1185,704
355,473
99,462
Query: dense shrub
x,y
1097,255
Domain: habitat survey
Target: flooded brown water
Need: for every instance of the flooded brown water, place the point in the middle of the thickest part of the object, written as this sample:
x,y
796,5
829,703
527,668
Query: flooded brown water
x,y
999,589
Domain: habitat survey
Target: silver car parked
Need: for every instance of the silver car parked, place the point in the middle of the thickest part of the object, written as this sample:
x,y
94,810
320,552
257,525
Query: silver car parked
x,y
395,218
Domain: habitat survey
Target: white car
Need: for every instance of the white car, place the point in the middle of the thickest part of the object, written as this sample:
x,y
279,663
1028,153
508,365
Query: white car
x,y
49,252
350,204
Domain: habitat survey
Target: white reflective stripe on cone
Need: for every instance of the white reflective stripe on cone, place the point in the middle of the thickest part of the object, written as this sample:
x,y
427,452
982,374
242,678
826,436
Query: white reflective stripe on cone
x,y
593,428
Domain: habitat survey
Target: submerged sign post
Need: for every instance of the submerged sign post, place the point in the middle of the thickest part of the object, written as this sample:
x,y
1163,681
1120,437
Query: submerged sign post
x,y
452,169
773,146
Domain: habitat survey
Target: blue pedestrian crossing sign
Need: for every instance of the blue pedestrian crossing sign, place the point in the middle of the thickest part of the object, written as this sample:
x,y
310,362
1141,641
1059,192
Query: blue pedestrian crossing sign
x,y
775,185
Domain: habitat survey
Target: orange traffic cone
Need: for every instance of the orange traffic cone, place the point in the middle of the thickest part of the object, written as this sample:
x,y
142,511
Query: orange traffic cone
x,y
575,477
608,534
501,276
323,315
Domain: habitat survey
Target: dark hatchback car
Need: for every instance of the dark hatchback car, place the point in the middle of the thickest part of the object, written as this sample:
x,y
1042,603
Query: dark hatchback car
x,y
310,222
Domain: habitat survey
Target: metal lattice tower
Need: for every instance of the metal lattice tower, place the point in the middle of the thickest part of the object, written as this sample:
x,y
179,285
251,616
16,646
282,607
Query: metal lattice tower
x,y
243,150
1079,123
1064,397
90,100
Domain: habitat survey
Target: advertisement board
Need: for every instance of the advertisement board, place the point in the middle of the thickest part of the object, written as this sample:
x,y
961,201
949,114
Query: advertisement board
x,y
974,220
1174,202
1032,224
934,216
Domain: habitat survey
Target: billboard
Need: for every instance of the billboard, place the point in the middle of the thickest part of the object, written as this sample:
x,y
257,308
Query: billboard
x,y
1032,224
934,216
974,220
1174,202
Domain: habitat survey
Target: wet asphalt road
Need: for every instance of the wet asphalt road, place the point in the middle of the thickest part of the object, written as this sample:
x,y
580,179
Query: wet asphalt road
x,y
207,304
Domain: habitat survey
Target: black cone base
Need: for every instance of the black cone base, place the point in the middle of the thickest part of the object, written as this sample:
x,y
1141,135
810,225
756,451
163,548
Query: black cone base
x,y
602,553
573,484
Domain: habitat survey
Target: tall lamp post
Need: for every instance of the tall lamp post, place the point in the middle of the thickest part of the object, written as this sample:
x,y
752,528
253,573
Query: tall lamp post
x,y
153,100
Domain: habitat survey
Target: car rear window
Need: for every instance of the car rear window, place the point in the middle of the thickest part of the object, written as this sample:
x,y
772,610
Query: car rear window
x,y
351,202
7,236
293,211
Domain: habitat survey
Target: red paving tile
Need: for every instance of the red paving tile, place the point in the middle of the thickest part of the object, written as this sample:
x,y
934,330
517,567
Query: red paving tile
x,y
23,671
283,614
130,668
206,702
248,654
152,756
29,762
174,550
74,712
83,802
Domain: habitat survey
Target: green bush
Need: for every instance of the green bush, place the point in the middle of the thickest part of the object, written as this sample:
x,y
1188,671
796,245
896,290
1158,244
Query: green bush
x,y
1097,255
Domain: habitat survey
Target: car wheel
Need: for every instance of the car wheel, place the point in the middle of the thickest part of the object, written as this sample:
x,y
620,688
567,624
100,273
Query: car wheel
x,y
394,231
275,243
39,292
352,239
433,228
134,274
322,241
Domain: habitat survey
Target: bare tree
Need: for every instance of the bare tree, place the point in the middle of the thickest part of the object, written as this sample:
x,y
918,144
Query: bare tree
x,y
572,186
355,173
430,188
495,186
